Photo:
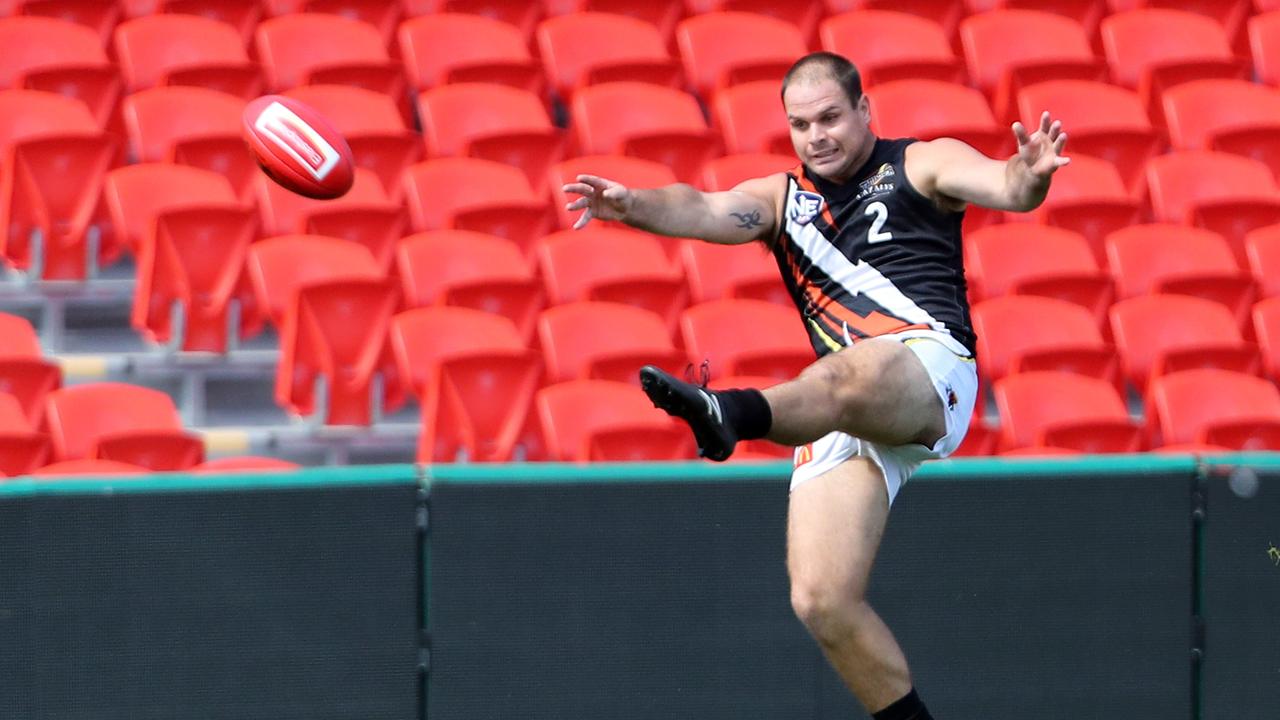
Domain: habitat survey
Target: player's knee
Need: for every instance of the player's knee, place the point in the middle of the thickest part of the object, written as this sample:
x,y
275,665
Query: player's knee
x,y
828,612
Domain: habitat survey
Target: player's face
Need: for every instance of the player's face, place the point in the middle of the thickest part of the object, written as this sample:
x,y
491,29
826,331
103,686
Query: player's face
x,y
831,136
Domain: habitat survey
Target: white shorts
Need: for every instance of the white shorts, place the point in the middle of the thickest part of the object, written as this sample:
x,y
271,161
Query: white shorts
x,y
955,379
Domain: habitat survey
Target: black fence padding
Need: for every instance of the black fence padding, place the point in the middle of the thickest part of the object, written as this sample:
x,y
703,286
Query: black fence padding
x,y
240,605
1242,596
1053,597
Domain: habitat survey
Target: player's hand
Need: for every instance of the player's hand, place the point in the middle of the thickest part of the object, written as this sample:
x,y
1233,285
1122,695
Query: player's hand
x,y
603,199
1042,149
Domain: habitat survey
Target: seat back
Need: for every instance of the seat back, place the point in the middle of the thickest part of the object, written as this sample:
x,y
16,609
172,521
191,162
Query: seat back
x,y
888,45
648,121
363,215
617,419
298,49
461,47
135,194
929,109
78,417
1034,405
749,118
1189,405
721,49
1035,333
475,194
278,267
604,340
1164,333
191,126
1143,256
586,48
44,53
154,49
615,265
746,337
1136,42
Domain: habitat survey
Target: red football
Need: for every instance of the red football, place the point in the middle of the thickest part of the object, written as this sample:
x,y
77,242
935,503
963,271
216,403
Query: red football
x,y
298,148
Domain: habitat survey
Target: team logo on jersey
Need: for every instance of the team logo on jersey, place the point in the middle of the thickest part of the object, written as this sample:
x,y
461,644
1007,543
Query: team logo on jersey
x,y
805,206
878,183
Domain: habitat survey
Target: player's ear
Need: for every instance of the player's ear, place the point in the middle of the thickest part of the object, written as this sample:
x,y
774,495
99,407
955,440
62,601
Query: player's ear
x,y
864,108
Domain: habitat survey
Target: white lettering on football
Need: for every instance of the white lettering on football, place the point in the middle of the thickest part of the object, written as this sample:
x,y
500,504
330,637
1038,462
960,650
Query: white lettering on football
x,y
299,140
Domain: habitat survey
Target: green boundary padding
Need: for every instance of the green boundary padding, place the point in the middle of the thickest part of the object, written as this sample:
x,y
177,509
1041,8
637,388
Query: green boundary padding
x,y
573,473
188,482
697,471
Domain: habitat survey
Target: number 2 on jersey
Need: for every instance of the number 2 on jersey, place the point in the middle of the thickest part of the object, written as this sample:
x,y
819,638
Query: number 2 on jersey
x,y
875,234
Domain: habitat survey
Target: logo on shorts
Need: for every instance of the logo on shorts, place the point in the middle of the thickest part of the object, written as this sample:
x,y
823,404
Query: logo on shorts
x,y
952,399
805,207
804,454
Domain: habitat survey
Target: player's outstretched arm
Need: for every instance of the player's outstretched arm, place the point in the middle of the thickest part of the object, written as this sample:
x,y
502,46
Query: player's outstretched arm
x,y
745,213
1018,184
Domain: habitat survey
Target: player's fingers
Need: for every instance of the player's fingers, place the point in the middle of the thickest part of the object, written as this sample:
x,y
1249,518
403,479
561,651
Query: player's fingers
x,y
579,189
614,193
1061,161
1060,144
578,204
583,220
598,183
1044,122
1055,129
1020,133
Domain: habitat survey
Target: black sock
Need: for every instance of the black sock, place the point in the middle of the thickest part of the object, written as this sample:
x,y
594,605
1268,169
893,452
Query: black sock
x,y
747,412
906,708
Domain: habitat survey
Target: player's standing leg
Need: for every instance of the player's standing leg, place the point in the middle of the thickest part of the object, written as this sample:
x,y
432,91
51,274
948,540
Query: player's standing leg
x,y
834,528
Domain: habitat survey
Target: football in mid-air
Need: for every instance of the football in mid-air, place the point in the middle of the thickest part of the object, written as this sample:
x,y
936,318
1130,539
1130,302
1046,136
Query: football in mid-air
x,y
298,148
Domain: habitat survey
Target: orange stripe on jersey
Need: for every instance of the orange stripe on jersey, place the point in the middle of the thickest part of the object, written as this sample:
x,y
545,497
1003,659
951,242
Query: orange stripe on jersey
x,y
876,323
807,184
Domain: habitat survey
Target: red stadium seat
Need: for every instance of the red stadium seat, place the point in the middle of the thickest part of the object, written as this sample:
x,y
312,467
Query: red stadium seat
x,y
1229,14
491,122
191,126
725,173
1021,259
661,14
522,14
89,467
243,15
279,266
186,50
1151,50
645,121
1235,116
1161,334
461,268
590,48
125,423
746,337
1262,249
729,272
1023,334
1266,328
1007,50
803,15
604,341
474,194
58,56
474,379
1103,121
751,119
371,125
1264,42
1172,259
929,109
381,14
24,374
612,266
628,171
333,308
722,49
100,17
462,48
1058,409
602,420
52,161
334,335
1226,193
364,215
319,48
1087,13
245,463
946,13
888,45
1216,407
1088,197
190,236
134,194
21,448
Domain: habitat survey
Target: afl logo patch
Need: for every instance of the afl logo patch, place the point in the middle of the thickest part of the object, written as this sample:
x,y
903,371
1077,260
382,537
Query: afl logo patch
x,y
805,206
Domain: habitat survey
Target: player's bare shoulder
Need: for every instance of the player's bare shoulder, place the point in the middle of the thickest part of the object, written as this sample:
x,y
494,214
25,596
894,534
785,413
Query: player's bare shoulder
x,y
763,211
922,161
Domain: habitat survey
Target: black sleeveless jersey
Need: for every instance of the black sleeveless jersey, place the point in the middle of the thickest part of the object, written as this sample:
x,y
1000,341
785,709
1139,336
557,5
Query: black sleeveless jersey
x,y
872,256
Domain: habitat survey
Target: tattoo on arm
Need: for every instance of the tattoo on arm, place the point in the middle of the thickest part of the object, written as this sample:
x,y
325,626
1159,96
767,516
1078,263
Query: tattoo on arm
x,y
749,220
